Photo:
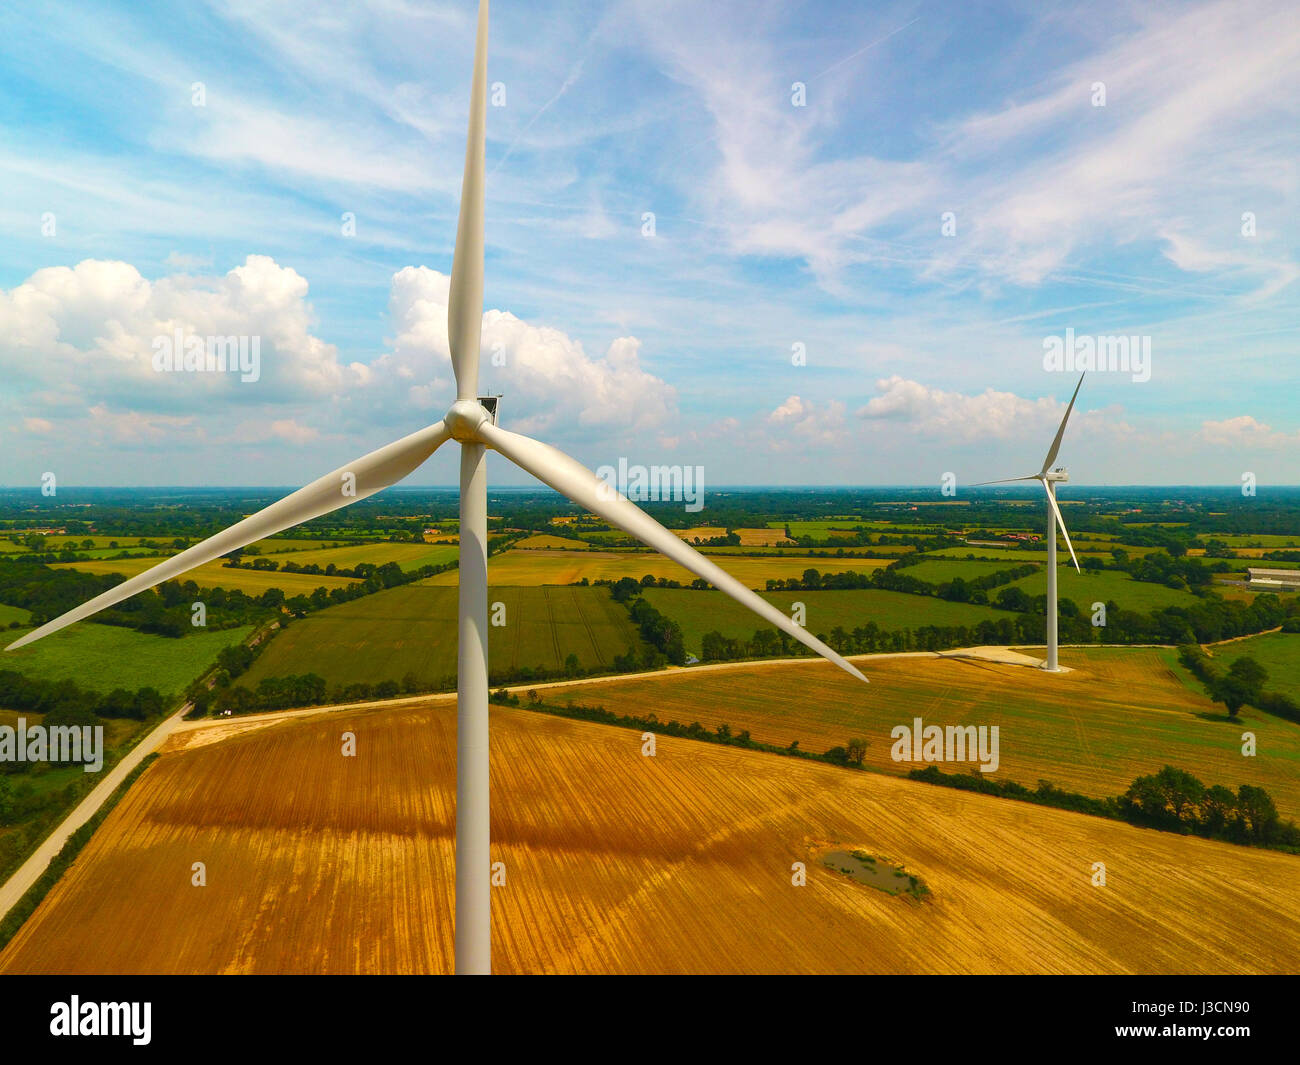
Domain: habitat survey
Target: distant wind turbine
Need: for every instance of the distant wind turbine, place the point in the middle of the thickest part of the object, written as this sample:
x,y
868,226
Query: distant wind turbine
x,y
1050,478
471,422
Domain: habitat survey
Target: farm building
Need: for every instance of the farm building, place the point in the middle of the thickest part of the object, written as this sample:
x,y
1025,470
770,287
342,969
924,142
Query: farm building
x,y
1275,578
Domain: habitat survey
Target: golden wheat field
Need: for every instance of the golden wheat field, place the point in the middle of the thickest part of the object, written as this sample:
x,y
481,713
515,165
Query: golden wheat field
x,y
216,575
615,862
1120,713
762,537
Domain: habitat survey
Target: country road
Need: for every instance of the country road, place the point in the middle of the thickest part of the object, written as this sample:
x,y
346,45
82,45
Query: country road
x,y
30,871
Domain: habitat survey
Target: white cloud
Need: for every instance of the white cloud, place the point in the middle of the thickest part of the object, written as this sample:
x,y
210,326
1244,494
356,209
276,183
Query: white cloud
x,y
91,330
922,409
1246,433
801,422
548,378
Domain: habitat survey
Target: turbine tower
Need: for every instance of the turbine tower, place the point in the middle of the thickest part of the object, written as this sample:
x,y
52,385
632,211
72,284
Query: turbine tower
x,y
1050,477
471,422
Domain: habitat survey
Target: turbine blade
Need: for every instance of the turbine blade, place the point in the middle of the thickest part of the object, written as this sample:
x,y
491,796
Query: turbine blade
x,y
1056,443
573,480
360,479
465,301
1051,498
1007,480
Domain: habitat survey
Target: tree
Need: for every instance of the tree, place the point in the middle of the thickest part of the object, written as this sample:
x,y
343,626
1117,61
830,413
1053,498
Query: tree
x,y
857,750
1258,814
1251,675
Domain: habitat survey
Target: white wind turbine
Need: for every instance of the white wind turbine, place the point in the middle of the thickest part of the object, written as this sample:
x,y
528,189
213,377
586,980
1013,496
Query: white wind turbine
x,y
473,425
1050,478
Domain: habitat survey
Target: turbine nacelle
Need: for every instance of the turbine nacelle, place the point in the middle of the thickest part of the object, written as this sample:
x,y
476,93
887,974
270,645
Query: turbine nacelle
x,y
1058,476
464,420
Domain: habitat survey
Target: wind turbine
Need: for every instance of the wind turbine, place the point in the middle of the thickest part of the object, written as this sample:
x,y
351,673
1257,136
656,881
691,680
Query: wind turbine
x,y
471,422
1050,478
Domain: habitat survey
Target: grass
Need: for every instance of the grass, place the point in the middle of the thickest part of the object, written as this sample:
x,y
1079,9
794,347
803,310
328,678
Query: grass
x,y
619,863
1104,586
412,629
1278,652
546,542
215,575
13,613
699,612
407,556
104,657
1119,714
942,570
541,567
1268,541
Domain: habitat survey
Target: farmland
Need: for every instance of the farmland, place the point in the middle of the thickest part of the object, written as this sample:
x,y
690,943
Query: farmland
x,y
546,542
1278,652
407,556
698,612
215,575
542,567
761,537
10,614
103,657
942,570
412,629
621,863
1119,714
1104,586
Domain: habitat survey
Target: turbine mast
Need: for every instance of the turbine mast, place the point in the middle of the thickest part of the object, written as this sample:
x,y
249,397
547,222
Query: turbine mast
x,y
1051,665
473,794
464,324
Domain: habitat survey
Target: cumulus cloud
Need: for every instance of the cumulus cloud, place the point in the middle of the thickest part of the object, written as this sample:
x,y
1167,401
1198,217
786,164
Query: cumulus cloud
x,y
134,427
92,330
931,410
80,341
1246,433
547,376
801,421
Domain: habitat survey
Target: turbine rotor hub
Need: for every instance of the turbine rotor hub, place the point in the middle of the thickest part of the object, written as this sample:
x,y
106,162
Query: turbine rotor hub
x,y
464,418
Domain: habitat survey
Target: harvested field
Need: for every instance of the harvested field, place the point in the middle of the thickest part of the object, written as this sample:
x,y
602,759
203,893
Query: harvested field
x,y
621,863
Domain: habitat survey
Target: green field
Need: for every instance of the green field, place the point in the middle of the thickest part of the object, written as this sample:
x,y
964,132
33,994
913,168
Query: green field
x,y
1120,713
278,545
215,575
569,567
104,657
12,613
546,542
1104,586
1278,652
1268,541
412,629
699,612
407,556
941,570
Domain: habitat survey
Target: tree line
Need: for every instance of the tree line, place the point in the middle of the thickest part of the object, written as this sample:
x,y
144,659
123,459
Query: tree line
x,y
1171,800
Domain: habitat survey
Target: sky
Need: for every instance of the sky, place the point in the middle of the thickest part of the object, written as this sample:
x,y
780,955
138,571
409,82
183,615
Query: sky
x,y
782,243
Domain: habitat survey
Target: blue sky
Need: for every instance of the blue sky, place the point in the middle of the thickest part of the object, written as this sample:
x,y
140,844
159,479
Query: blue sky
x,y
128,212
